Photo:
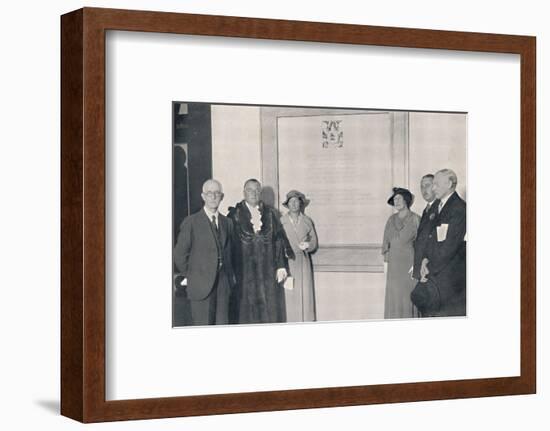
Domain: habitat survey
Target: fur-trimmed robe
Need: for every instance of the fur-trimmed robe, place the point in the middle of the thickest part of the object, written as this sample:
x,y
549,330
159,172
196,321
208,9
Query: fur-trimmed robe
x,y
258,298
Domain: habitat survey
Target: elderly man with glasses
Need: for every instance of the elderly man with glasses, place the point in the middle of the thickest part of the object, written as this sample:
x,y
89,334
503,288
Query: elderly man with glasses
x,y
203,256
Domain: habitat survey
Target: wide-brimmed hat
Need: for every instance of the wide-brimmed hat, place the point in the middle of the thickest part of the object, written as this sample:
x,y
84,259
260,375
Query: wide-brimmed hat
x,y
296,194
407,196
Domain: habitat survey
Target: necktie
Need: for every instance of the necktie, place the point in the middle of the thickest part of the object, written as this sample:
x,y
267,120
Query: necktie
x,y
214,223
217,232
427,208
440,207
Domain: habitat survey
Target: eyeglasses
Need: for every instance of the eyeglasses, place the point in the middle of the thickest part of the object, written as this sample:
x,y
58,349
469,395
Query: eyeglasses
x,y
213,194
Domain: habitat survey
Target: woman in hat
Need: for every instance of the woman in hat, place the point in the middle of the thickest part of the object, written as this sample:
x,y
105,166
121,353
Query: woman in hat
x,y
299,290
398,251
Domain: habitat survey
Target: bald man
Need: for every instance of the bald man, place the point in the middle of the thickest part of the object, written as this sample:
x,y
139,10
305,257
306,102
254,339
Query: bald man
x,y
203,256
445,262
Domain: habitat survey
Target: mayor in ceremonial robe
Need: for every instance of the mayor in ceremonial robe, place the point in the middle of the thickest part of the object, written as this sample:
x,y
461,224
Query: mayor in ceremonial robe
x,y
260,252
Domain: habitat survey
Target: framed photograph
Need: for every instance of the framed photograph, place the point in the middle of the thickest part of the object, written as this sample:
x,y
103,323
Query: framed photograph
x,y
268,215
327,217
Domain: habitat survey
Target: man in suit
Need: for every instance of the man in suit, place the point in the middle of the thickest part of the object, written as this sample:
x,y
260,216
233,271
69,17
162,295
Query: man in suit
x,y
445,261
426,222
203,256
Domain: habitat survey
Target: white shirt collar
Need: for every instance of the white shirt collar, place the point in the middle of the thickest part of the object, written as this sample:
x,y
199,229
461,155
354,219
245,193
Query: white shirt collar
x,y
210,213
444,200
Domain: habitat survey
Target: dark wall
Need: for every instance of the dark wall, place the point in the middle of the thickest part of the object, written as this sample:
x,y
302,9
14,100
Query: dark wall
x,y
192,166
194,129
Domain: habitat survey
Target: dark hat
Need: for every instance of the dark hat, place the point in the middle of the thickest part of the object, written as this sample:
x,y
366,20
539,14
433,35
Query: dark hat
x,y
407,196
296,194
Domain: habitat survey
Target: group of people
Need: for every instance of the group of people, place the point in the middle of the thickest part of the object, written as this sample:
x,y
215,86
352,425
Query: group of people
x,y
250,266
253,266
425,256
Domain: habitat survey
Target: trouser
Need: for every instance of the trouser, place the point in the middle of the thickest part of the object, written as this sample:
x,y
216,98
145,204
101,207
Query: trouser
x,y
214,309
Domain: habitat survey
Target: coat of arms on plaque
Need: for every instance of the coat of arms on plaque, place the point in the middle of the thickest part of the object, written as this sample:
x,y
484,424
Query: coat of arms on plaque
x,y
332,133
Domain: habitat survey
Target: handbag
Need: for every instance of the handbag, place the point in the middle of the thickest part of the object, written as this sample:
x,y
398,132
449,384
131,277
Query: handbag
x,y
426,297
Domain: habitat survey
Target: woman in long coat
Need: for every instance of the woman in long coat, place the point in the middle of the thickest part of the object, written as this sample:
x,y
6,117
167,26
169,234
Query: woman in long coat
x,y
300,231
398,251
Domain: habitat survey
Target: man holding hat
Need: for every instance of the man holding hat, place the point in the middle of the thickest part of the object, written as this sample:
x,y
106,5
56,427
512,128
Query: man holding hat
x,y
445,261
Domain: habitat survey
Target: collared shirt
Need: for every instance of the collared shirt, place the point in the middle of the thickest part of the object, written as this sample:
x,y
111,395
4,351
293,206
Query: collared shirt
x,y
211,214
429,205
216,220
444,201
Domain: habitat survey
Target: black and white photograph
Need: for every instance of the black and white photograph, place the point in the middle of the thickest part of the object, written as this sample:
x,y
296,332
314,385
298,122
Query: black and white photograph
x,y
286,214
275,215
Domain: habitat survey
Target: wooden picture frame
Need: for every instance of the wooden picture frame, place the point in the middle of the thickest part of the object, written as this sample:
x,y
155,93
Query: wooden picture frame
x,y
83,214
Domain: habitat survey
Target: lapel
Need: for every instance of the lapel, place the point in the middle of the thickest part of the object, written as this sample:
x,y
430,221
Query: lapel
x,y
426,213
222,228
261,208
207,225
247,219
446,207
292,228
263,216
425,220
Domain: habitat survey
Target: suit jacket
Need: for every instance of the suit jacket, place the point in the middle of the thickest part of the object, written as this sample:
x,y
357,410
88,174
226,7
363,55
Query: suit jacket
x,y
198,250
447,257
422,236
